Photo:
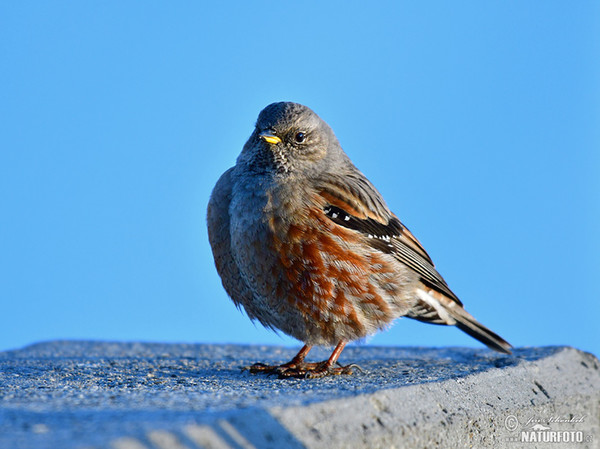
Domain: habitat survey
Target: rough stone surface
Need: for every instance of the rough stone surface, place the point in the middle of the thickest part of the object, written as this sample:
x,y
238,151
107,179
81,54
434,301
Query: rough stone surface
x,y
174,396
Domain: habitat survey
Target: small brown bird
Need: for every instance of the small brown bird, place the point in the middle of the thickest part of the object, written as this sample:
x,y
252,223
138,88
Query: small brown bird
x,y
306,244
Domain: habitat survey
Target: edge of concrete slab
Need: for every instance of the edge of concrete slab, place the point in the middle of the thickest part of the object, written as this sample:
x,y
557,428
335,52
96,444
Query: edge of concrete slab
x,y
476,399
490,409
486,409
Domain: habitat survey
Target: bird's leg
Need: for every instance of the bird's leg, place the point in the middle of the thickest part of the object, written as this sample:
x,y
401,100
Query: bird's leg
x,y
295,363
326,368
297,367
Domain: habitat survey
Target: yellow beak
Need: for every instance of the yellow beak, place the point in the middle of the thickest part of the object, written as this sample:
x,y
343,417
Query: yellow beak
x,y
270,138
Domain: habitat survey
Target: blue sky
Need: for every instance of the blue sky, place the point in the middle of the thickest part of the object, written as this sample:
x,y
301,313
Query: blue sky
x,y
478,121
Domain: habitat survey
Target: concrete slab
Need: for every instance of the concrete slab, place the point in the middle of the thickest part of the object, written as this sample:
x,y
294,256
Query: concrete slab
x,y
173,396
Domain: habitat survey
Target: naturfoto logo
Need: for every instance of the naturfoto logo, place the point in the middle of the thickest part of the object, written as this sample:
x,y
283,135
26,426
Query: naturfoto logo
x,y
539,430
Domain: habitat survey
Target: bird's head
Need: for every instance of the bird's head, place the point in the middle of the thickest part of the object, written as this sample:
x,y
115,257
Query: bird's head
x,y
290,139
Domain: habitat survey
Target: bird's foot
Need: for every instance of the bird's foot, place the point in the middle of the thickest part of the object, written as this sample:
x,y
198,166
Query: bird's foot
x,y
323,369
302,370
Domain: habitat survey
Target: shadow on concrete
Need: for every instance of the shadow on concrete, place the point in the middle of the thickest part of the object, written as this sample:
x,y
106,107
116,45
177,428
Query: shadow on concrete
x,y
246,429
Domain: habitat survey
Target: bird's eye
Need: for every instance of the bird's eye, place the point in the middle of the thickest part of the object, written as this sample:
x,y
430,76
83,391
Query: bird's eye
x,y
300,137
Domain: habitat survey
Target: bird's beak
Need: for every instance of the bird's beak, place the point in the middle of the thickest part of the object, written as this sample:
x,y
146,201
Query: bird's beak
x,y
269,137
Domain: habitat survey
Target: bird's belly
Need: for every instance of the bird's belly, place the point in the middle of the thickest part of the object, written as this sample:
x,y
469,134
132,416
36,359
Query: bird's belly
x,y
259,265
312,279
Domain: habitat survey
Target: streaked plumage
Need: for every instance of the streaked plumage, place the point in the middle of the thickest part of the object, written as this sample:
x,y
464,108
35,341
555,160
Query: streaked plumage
x,y
306,244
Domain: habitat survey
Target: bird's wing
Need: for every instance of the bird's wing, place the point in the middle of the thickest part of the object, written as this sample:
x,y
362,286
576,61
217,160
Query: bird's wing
x,y
353,202
219,236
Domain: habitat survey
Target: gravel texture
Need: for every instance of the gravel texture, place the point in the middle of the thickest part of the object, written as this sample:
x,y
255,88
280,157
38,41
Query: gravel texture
x,y
172,396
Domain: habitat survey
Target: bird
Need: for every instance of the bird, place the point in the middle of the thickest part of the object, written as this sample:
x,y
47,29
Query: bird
x,y
307,246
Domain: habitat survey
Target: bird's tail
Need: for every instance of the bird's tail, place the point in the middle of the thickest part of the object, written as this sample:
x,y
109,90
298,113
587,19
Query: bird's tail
x,y
436,308
466,323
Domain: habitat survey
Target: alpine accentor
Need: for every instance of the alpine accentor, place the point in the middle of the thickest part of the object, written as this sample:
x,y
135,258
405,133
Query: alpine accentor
x,y
307,245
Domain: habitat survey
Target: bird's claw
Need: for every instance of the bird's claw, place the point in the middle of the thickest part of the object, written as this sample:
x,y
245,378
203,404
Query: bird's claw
x,y
302,370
